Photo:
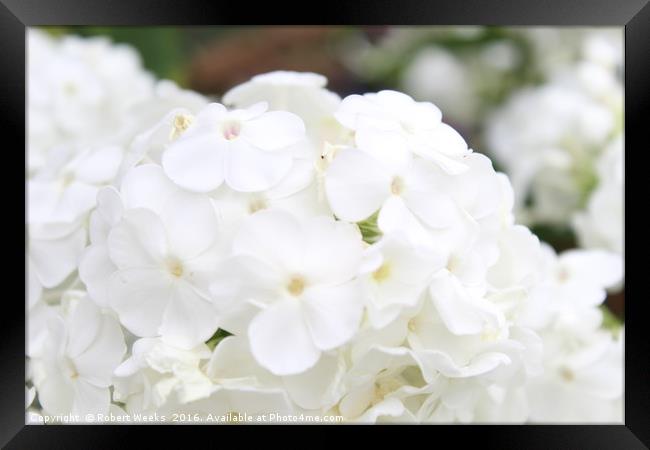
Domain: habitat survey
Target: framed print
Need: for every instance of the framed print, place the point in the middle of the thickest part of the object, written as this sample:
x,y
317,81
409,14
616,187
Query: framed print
x,y
399,213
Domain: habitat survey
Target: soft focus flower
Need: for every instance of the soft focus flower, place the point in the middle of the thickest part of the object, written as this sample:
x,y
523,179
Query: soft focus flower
x,y
248,148
74,372
302,276
294,254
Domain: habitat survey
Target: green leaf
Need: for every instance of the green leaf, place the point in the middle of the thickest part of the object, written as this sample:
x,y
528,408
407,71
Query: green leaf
x,y
369,229
217,337
610,321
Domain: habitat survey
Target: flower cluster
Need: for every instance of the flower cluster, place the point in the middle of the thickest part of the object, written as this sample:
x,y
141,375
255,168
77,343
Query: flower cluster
x,y
555,141
547,102
287,251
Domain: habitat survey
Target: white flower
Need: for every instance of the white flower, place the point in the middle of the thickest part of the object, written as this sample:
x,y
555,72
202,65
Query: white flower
x,y
548,139
80,92
155,370
601,224
74,372
161,251
302,276
574,284
397,273
248,148
416,126
300,93
67,190
441,77
402,188
582,380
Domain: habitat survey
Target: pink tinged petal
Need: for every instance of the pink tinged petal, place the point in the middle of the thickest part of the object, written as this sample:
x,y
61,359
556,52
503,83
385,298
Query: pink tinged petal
x,y
356,185
53,260
146,186
95,269
274,237
273,130
189,318
280,340
138,240
196,163
97,363
248,169
191,224
90,399
332,251
333,314
140,297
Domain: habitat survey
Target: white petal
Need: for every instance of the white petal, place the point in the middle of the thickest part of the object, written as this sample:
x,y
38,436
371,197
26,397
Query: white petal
x,y
95,269
196,163
100,166
333,314
461,313
138,240
189,318
388,147
56,394
146,186
280,340
593,266
90,399
316,388
332,251
395,217
140,296
356,185
97,363
53,260
273,130
190,223
274,237
248,169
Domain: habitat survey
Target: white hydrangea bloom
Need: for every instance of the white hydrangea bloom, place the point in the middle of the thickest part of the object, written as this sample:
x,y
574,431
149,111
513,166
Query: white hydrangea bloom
x,y
250,149
299,255
302,277
74,371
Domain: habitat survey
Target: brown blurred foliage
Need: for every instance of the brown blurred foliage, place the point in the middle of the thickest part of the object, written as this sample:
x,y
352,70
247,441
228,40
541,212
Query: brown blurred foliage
x,y
235,58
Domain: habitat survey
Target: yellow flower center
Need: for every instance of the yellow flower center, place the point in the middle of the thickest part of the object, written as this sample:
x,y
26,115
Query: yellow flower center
x,y
181,123
397,186
175,267
382,273
296,286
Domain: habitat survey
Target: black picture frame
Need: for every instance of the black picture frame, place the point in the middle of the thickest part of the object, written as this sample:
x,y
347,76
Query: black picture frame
x,y
634,15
